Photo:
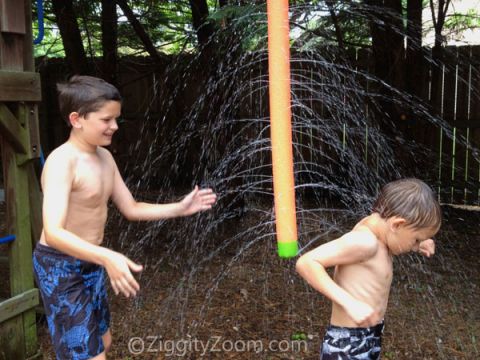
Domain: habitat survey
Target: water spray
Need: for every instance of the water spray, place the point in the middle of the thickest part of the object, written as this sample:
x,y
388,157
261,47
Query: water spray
x,y
281,127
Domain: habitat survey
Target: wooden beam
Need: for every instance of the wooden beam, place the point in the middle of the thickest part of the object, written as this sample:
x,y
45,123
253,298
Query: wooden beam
x,y
11,51
22,327
458,123
12,17
463,124
460,185
20,86
12,131
18,304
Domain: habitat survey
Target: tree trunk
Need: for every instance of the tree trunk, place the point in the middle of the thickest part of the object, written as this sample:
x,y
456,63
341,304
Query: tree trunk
x,y
437,51
388,53
71,38
336,24
414,57
139,30
201,25
109,40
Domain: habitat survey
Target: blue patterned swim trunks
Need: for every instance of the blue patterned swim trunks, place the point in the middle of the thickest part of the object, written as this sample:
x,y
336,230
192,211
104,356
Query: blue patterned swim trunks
x,y
75,301
342,343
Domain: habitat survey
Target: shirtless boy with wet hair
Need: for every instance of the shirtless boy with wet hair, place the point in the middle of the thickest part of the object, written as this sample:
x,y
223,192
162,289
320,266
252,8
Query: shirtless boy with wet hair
x,y
78,180
405,216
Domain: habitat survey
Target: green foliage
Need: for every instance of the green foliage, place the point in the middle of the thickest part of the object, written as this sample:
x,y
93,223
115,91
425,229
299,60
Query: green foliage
x,y
169,25
247,22
317,26
457,22
51,45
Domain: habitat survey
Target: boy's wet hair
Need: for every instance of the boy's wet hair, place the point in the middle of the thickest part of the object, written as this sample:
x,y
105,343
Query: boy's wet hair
x,y
84,94
412,200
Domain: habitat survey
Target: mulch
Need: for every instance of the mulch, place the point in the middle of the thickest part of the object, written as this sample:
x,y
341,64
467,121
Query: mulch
x,y
245,303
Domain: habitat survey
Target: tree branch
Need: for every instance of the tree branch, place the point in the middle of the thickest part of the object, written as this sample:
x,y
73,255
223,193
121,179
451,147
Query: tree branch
x,y
139,30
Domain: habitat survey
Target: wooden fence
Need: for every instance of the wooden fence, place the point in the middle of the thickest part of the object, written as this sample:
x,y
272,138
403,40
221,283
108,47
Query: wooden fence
x,y
449,157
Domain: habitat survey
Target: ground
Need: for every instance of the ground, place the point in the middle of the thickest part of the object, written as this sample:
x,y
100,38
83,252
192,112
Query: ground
x,y
250,304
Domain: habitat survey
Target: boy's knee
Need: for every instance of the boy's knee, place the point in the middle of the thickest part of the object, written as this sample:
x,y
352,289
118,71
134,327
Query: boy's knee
x,y
107,341
100,357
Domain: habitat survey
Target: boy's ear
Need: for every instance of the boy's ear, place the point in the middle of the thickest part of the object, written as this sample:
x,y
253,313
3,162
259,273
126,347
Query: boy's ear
x,y
73,118
397,222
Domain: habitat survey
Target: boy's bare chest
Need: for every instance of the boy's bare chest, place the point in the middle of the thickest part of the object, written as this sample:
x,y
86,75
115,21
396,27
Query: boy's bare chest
x,y
93,182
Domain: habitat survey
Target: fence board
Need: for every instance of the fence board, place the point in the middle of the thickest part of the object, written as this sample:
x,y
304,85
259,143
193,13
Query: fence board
x,y
474,133
461,112
448,113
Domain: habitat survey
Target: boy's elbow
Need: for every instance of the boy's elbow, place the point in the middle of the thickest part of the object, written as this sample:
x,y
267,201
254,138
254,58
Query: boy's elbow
x,y
128,215
133,215
51,236
129,212
301,265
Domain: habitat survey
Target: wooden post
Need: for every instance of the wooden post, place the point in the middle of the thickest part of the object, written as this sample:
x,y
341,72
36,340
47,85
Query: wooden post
x,y
19,143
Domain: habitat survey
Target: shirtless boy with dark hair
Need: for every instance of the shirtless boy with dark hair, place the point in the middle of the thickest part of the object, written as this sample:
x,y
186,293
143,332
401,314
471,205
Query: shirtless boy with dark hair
x,y
78,180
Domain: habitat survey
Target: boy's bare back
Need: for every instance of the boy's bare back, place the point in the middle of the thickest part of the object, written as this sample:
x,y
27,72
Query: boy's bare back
x,y
82,183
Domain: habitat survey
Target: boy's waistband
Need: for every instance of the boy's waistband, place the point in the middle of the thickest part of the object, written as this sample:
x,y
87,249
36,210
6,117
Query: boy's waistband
x,y
376,330
44,249
47,252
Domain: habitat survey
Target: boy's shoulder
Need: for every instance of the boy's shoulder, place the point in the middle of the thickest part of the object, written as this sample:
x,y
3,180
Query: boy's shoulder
x,y
105,153
364,231
363,237
63,155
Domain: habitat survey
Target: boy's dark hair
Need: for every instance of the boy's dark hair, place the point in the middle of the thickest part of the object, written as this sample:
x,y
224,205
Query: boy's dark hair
x,y
84,94
412,200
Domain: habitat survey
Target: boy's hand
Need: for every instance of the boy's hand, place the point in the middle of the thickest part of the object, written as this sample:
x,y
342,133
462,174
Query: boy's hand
x,y
427,247
198,200
118,268
361,313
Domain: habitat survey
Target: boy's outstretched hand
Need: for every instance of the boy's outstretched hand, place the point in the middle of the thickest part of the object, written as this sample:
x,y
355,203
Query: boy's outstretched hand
x,y
198,200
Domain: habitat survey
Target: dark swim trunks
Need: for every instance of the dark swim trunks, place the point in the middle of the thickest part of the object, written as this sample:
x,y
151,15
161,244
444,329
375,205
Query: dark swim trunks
x,y
75,301
342,343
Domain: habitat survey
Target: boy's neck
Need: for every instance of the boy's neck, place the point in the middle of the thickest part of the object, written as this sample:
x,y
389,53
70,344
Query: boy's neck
x,y
81,144
378,226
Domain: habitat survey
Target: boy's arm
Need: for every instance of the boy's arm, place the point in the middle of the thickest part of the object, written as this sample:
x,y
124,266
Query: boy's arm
x,y
57,179
353,247
197,200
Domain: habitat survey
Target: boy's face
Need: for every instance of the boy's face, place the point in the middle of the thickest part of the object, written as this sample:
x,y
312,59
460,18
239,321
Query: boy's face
x,y
403,238
98,127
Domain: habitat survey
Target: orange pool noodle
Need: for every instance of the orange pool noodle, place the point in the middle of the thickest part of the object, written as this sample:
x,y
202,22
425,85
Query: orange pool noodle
x,y
281,128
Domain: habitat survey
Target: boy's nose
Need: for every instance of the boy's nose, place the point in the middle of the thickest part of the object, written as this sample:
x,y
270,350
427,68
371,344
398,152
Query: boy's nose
x,y
114,125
